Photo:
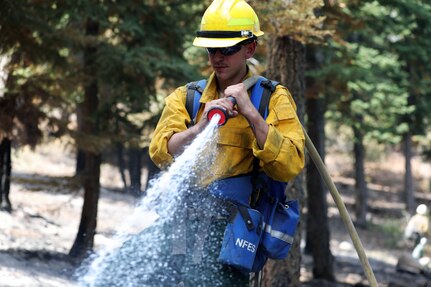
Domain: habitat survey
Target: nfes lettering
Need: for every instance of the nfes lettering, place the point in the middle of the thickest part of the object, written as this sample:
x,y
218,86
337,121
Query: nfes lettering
x,y
245,244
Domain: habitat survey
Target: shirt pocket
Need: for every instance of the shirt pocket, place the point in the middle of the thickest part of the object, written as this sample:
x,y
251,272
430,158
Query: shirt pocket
x,y
280,113
236,137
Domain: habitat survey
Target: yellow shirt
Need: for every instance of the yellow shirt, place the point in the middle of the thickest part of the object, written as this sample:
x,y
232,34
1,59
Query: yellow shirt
x,y
282,156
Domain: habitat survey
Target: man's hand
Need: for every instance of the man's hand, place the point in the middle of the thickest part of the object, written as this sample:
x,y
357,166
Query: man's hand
x,y
243,103
179,140
223,103
246,108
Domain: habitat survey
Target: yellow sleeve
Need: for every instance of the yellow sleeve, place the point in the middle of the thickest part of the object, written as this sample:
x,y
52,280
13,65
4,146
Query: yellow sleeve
x,y
282,156
174,119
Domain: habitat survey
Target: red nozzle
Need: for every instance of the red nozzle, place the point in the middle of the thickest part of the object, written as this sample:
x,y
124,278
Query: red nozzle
x,y
221,112
218,111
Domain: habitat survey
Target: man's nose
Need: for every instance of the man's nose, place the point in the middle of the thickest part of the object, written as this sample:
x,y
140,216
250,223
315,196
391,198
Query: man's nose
x,y
218,54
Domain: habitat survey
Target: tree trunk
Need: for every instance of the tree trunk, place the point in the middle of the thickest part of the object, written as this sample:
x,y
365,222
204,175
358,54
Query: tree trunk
x,y
2,168
5,172
121,164
414,122
286,64
360,182
80,162
80,154
91,175
135,166
150,169
408,177
317,229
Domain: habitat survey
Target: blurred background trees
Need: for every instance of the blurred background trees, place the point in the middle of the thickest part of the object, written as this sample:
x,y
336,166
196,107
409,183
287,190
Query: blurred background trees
x,y
96,73
92,70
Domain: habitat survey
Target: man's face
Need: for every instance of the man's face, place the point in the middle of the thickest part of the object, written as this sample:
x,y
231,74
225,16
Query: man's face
x,y
227,67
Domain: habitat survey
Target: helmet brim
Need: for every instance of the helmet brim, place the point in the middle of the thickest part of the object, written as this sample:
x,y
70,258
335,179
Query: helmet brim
x,y
219,42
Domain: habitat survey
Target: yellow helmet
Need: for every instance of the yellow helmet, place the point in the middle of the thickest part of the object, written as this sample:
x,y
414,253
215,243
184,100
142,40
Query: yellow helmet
x,y
226,23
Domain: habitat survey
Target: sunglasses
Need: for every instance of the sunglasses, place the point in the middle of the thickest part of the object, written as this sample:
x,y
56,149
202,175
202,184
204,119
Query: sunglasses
x,y
228,51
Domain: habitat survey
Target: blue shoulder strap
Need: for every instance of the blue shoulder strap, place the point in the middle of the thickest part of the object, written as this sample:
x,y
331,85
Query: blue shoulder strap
x,y
194,93
261,94
256,96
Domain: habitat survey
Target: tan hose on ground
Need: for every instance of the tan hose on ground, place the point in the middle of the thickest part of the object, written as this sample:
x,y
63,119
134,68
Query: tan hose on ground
x,y
342,209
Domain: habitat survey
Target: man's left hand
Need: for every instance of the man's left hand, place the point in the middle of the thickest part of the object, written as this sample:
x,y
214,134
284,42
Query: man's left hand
x,y
244,105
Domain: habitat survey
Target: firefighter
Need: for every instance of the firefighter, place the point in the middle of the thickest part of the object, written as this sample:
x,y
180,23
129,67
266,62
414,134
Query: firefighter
x,y
418,225
229,32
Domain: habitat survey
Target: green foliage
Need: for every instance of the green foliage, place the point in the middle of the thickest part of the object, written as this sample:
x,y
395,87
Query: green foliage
x,y
139,50
365,80
33,86
409,36
375,66
143,46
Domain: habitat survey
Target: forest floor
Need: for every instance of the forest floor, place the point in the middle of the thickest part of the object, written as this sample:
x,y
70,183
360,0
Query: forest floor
x,y
36,237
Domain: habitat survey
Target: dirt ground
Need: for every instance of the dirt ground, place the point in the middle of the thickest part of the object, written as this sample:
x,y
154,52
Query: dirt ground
x,y
36,237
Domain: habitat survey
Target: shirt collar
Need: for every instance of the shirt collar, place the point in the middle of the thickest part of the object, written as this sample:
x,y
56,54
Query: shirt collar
x,y
210,91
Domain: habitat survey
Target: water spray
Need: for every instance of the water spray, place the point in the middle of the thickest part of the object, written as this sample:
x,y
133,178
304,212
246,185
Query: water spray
x,y
138,254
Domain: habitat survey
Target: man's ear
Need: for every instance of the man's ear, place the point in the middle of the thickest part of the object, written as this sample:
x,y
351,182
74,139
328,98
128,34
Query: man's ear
x,y
250,49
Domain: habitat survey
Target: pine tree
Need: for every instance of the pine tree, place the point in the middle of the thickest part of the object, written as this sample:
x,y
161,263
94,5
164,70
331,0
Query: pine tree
x,y
290,24
33,84
138,45
407,30
363,81
138,51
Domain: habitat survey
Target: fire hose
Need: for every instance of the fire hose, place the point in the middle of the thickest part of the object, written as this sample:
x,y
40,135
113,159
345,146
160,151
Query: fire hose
x,y
342,209
344,214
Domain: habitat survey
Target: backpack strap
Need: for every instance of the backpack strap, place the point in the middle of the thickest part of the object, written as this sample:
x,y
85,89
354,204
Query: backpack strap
x,y
194,93
260,96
